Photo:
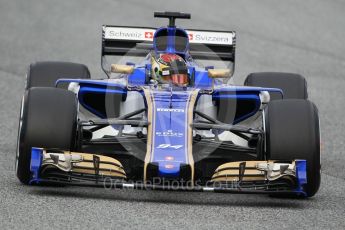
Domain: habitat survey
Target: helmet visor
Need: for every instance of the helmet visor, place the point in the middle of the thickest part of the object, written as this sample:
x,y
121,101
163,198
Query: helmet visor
x,y
179,79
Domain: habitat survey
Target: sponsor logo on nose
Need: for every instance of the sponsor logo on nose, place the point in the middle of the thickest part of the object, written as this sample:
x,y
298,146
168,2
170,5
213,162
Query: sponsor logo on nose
x,y
165,146
169,166
170,110
169,158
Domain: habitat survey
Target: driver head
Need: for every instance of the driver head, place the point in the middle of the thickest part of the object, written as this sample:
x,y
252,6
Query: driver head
x,y
169,68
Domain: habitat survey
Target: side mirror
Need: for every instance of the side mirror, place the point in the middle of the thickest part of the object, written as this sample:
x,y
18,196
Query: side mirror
x,y
125,69
219,73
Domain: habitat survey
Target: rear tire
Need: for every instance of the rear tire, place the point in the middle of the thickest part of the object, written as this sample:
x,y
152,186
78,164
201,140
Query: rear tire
x,y
294,86
45,74
48,120
292,132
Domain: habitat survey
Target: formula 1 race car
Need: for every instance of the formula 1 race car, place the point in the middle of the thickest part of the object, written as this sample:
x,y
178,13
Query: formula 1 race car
x,y
168,116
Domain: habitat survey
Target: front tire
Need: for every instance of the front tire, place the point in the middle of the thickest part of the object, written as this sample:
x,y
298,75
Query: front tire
x,y
48,120
293,132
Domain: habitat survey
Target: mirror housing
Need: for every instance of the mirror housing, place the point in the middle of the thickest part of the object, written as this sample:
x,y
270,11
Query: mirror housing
x,y
219,73
125,69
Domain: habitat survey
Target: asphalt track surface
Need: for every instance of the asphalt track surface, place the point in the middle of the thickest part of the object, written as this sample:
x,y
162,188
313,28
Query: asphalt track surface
x,y
305,37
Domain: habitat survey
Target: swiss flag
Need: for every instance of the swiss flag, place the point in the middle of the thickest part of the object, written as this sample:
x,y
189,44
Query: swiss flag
x,y
148,34
190,36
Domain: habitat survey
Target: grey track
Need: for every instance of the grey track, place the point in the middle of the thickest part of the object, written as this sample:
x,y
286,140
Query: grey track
x,y
305,37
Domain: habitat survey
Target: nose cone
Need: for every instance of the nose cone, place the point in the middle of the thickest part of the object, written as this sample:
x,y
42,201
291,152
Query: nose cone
x,y
169,169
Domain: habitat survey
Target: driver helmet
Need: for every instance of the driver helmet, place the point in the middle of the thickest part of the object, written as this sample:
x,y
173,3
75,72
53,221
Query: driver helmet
x,y
169,68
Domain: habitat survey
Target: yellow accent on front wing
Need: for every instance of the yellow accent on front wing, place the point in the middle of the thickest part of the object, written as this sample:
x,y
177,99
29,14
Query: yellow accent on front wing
x,y
83,163
254,171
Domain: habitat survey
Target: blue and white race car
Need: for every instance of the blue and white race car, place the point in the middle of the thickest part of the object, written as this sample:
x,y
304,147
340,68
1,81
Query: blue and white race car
x,y
168,116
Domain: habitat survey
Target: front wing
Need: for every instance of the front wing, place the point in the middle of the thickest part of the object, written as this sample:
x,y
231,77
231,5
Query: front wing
x,y
84,169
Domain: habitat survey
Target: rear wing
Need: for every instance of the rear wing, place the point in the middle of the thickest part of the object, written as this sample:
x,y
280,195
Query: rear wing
x,y
138,42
